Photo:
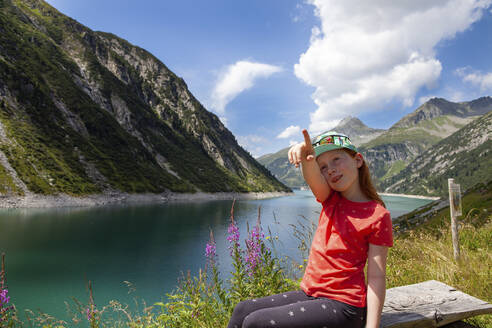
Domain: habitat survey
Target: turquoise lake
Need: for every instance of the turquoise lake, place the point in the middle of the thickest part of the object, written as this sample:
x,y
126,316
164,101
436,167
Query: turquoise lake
x,y
51,254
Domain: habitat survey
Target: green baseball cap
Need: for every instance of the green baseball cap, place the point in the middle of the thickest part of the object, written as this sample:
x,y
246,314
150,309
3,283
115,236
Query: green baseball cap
x,y
331,140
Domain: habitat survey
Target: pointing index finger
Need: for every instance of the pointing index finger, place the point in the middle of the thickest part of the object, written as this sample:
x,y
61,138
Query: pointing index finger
x,y
307,139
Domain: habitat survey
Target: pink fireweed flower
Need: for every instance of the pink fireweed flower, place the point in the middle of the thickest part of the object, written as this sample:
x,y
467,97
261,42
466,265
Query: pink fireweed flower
x,y
253,245
210,249
4,301
91,314
233,237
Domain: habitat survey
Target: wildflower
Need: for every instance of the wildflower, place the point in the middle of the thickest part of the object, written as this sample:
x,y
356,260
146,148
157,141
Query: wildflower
x,y
233,232
4,299
233,237
4,307
91,313
210,249
253,245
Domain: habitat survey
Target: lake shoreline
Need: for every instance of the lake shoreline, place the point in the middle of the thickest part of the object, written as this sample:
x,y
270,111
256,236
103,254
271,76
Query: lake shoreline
x,y
410,196
119,198
400,195
32,200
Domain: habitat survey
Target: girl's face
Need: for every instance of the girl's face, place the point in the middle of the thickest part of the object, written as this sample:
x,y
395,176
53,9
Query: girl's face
x,y
340,169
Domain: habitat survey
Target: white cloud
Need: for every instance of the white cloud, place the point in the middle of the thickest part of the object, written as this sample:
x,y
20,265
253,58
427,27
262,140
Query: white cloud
x,y
289,132
368,53
293,142
301,11
483,80
224,120
253,143
425,99
237,78
457,96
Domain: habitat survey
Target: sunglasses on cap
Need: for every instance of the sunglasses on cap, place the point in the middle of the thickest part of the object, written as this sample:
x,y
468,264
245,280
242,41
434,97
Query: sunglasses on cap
x,y
331,140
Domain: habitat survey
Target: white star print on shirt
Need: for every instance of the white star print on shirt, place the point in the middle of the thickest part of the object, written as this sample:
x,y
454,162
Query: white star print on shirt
x,y
272,322
291,313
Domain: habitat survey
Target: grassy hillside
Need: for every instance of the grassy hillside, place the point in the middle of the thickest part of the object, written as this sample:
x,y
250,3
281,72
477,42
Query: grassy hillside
x,y
418,131
389,152
279,166
82,112
423,248
465,156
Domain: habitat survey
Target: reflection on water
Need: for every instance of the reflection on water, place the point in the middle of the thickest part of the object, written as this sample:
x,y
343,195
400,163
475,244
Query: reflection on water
x,y
52,253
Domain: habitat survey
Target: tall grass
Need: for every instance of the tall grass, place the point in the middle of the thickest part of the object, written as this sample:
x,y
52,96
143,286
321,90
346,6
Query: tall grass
x,y
426,253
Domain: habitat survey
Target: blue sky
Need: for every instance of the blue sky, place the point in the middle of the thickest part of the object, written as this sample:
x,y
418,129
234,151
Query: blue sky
x,y
269,68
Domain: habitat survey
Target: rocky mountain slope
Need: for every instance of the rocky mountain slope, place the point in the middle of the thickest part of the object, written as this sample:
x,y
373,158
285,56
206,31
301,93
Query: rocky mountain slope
x,y
279,165
358,132
389,152
436,107
466,156
83,112
436,119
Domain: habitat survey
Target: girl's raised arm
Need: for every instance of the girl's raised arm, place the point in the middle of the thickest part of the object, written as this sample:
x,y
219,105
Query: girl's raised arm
x,y
303,153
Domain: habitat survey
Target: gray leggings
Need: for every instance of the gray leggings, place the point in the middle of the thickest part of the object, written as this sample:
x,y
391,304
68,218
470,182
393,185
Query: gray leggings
x,y
295,309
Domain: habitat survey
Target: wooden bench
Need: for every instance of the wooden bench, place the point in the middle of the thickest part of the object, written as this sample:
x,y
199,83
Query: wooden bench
x,y
429,304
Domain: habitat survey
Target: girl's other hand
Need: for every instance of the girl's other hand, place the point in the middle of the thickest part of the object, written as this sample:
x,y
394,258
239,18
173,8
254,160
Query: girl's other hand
x,y
303,151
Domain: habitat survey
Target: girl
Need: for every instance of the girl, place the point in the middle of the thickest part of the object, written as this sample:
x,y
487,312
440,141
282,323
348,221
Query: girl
x,y
354,227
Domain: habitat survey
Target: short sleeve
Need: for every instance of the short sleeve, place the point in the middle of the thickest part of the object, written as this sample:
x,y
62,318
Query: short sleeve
x,y
332,199
328,199
382,231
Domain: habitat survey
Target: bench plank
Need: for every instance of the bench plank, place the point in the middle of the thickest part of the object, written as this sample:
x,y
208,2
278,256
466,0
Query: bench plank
x,y
429,304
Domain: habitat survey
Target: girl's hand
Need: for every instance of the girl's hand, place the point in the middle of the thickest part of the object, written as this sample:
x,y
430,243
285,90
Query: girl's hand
x,y
303,151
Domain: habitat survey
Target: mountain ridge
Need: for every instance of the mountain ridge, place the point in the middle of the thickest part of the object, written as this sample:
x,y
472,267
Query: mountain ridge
x,y
84,111
285,172
465,156
390,151
439,107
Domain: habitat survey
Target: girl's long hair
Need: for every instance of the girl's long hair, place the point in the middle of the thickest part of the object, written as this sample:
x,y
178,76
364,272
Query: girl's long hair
x,y
365,180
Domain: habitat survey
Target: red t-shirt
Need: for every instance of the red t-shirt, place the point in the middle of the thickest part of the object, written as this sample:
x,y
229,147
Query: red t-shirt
x,y
340,245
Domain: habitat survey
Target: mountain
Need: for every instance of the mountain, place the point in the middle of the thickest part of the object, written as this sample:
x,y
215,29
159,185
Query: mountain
x,y
388,152
279,165
436,107
433,121
84,112
358,132
466,156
